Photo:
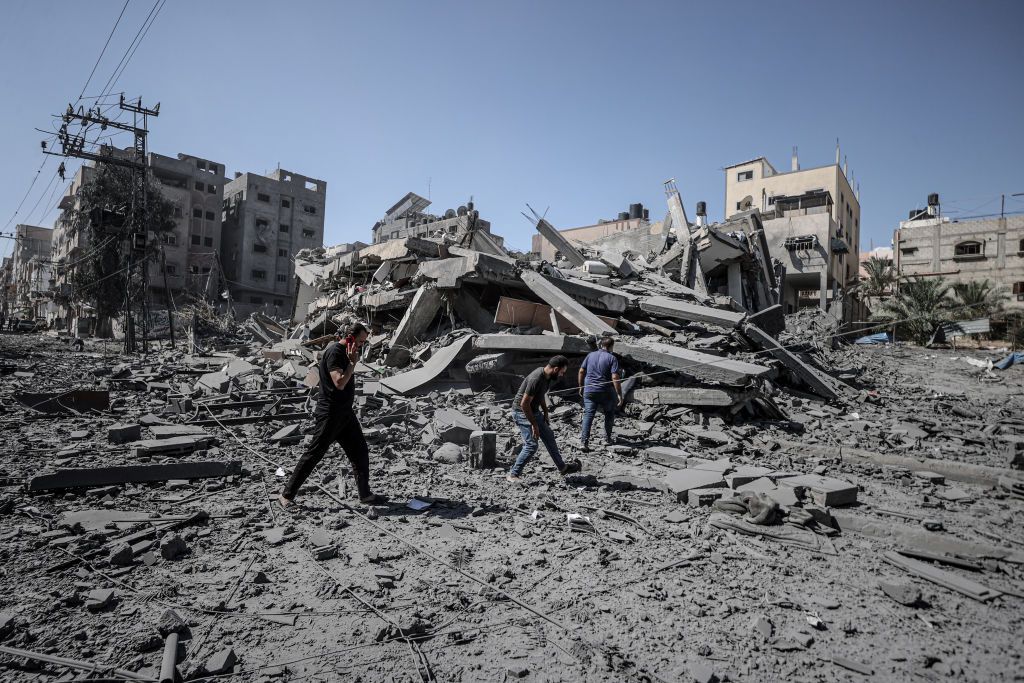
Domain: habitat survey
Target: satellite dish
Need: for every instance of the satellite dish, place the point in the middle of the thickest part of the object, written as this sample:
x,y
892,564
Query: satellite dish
x,y
463,211
450,213
746,203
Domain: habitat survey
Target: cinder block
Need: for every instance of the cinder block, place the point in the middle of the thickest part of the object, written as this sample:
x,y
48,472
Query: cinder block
x,y
825,491
704,497
483,447
124,433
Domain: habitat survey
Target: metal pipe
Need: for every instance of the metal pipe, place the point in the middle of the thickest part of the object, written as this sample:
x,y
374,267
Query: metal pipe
x,y
73,663
170,659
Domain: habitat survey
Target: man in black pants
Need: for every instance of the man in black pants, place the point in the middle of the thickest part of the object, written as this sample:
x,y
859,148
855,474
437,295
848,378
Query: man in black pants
x,y
336,421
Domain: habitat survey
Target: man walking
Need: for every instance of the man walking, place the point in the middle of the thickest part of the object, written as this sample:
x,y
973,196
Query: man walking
x,y
530,412
600,389
336,420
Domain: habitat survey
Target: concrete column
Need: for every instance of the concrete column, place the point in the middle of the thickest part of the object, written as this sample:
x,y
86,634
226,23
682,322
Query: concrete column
x,y
735,282
823,289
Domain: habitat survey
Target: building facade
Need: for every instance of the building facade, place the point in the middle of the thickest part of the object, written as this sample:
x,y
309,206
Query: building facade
x,y
265,221
637,218
812,224
31,271
990,248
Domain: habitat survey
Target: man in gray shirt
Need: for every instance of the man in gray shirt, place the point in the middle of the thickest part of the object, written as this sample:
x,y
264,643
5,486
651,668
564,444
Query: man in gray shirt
x,y
530,412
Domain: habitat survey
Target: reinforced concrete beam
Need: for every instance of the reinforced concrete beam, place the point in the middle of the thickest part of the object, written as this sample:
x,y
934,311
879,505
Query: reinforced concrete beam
x,y
565,304
531,343
569,252
594,296
815,381
437,364
663,307
688,396
699,365
132,474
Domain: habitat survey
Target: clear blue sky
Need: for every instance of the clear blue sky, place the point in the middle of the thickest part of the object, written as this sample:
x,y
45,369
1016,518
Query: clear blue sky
x,y
580,106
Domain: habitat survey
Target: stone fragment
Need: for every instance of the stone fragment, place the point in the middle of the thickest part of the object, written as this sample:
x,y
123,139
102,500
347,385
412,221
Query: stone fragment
x,y
124,433
121,555
222,662
761,627
680,482
905,594
483,447
172,547
99,599
447,453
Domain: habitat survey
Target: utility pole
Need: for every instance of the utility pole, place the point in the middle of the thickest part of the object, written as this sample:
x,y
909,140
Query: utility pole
x,y
137,237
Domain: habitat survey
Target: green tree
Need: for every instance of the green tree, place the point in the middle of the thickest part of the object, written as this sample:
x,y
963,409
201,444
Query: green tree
x,y
880,276
978,298
98,276
918,308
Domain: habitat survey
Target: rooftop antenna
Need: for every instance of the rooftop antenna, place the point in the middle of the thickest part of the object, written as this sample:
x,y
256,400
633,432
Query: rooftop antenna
x,y
837,151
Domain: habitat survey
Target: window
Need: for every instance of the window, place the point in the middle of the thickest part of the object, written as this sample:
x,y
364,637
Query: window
x,y
170,269
738,205
282,253
309,208
278,302
969,249
193,270
177,212
199,185
212,189
207,241
210,215
256,300
197,212
196,240
259,248
908,251
262,223
282,278
259,275
201,164
283,227
744,175
1018,291
168,238
310,234
1020,247
285,204
262,197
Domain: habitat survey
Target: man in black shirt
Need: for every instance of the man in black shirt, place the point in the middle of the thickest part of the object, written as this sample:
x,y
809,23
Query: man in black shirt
x,y
336,421
527,408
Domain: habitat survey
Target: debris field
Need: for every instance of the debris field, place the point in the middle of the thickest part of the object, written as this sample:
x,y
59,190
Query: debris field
x,y
776,505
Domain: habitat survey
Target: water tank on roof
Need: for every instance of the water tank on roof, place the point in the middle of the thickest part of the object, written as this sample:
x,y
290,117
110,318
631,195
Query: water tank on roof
x,y
450,213
647,214
462,211
933,199
623,216
702,209
469,205
636,210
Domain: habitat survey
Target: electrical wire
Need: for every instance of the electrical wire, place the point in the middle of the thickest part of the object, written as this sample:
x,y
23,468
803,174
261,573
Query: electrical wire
x,y
103,51
126,57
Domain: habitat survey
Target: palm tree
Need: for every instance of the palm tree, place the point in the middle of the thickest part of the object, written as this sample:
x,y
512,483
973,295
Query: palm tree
x,y
880,276
978,298
919,307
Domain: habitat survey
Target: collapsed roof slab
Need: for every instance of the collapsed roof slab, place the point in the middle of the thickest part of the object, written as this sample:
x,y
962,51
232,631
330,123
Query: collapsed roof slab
x,y
817,382
569,252
565,304
680,310
531,343
594,295
436,365
699,365
689,396
421,312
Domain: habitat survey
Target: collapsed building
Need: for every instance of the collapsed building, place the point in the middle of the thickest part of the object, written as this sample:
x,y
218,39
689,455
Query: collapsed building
x,y
696,305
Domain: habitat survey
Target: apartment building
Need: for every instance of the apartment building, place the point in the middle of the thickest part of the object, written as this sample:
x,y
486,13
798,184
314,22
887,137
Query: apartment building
x,y
812,223
408,217
266,220
929,244
637,218
30,271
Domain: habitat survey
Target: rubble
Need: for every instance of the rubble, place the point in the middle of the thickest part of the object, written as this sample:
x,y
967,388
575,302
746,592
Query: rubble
x,y
776,503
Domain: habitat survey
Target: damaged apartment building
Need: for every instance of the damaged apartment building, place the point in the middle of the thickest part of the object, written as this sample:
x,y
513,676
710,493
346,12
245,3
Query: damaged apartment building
x,y
811,220
991,248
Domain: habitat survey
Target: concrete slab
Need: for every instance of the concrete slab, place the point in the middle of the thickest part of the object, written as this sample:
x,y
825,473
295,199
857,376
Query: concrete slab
x,y
565,305
681,482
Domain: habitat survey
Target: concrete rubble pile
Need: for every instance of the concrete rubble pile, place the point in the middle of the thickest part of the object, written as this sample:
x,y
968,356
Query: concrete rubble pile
x,y
776,506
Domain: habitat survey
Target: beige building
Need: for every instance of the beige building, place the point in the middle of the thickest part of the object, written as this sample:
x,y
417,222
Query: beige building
x,y
812,224
266,221
30,271
991,248
635,219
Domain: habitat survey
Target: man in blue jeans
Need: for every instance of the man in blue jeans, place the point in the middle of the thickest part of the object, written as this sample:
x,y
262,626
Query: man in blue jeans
x,y
530,412
600,389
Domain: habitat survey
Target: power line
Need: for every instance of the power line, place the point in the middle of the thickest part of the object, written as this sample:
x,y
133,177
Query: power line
x,y
129,50
164,2
103,51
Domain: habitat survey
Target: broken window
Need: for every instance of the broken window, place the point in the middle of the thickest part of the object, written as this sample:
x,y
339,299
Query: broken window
x,y
259,274
969,249
207,241
193,270
282,252
1018,291
210,215
285,204
168,238
259,248
802,243
262,197
262,223
309,234
200,164
199,185
908,251
309,208
744,175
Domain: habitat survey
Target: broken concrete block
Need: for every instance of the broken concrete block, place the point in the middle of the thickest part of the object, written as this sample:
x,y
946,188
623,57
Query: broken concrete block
x,y
667,456
744,475
213,383
761,627
483,448
824,491
99,599
454,427
222,662
121,555
287,434
124,433
905,594
447,453
705,497
681,482
172,547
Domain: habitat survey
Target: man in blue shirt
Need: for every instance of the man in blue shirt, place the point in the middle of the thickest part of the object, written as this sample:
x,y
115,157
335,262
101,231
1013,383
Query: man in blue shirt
x,y
600,389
